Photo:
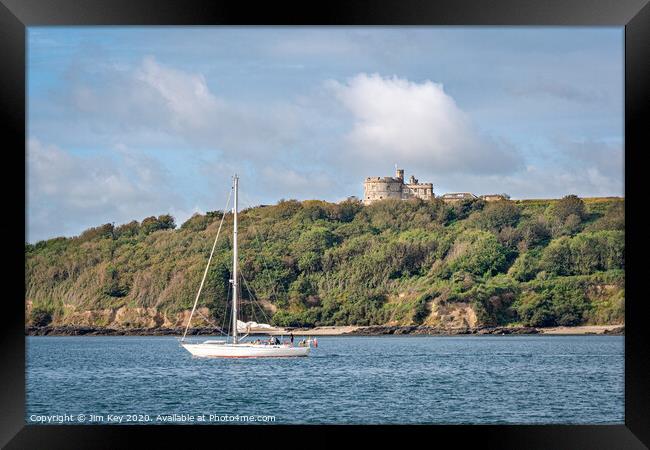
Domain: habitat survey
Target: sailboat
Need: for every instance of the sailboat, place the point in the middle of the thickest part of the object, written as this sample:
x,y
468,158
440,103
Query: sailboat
x,y
237,347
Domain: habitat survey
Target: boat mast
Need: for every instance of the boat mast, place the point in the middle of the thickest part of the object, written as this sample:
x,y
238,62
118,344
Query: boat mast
x,y
235,291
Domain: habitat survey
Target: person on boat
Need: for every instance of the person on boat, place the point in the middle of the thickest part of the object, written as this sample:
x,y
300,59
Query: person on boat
x,y
291,336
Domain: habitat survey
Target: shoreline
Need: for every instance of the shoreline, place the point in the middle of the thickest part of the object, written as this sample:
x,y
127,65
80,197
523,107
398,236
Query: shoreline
x,y
351,330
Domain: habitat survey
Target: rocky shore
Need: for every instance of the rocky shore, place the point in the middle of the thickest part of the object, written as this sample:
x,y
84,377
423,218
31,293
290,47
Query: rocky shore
x,y
92,331
424,330
378,330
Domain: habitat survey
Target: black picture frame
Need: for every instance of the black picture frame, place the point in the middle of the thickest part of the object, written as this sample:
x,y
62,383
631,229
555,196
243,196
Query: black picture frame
x,y
16,15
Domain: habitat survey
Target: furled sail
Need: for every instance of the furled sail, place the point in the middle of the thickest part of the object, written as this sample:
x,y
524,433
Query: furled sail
x,y
247,327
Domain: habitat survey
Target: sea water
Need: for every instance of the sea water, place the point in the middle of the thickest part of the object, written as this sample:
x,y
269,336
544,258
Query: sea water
x,y
346,380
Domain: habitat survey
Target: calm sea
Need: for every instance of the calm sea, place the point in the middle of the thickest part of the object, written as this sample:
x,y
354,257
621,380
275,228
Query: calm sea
x,y
346,380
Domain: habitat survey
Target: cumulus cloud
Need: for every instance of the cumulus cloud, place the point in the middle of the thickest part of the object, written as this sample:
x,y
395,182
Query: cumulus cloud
x,y
154,103
139,119
419,124
536,182
68,193
186,96
286,182
605,158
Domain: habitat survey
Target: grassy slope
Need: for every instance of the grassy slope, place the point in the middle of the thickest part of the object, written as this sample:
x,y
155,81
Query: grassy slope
x,y
316,263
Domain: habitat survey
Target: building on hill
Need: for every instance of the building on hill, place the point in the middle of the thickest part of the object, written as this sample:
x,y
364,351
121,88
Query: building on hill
x,y
452,197
495,197
381,188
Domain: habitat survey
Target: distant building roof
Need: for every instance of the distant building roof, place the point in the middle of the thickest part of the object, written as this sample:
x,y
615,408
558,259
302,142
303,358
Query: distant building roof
x,y
459,195
500,196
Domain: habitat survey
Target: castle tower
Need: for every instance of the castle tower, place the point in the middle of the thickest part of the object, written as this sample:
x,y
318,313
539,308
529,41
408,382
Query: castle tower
x,y
381,188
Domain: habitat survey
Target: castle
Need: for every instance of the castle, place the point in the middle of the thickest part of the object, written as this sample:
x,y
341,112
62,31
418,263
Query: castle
x,y
380,188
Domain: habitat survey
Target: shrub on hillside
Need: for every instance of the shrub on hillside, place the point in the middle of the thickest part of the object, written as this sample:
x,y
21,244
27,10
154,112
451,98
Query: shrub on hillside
x,y
103,231
163,222
498,215
561,304
526,266
128,229
492,300
198,222
613,219
585,253
567,206
484,256
40,317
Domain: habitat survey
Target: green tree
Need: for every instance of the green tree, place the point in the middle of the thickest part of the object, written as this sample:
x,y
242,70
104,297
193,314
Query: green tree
x,y
484,256
535,310
492,300
103,231
348,210
40,317
112,285
567,206
498,215
197,222
526,266
613,219
163,222
556,258
128,229
534,233
323,263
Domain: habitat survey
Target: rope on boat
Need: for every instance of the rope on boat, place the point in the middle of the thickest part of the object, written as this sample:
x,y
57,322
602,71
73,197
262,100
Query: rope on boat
x,y
207,267
254,299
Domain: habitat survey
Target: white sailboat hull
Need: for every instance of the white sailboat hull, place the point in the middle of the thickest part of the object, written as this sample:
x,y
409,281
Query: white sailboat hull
x,y
222,350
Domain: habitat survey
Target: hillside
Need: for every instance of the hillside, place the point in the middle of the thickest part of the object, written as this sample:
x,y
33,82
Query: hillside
x,y
529,262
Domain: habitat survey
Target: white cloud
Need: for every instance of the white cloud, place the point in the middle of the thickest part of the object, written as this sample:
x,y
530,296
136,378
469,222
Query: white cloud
x,y
316,144
302,184
606,158
69,193
536,182
153,103
419,125
186,95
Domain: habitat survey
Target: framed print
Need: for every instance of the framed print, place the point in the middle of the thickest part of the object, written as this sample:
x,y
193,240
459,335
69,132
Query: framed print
x,y
407,220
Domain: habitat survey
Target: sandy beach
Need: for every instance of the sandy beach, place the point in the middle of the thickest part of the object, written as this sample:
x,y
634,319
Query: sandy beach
x,y
587,329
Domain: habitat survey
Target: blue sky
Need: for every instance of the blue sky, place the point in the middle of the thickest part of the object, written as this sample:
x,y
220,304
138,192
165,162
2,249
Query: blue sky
x,y
128,122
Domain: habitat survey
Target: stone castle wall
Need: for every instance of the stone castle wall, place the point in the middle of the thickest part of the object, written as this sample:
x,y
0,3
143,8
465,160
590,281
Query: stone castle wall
x,y
381,188
419,190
